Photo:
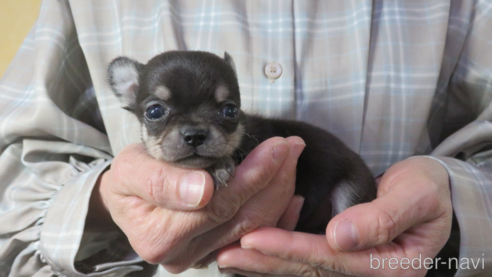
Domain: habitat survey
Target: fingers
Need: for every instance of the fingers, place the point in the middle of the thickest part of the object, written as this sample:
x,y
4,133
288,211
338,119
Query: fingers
x,y
409,197
409,220
250,177
379,222
205,261
260,209
271,251
247,201
294,253
187,237
292,246
158,183
289,218
234,259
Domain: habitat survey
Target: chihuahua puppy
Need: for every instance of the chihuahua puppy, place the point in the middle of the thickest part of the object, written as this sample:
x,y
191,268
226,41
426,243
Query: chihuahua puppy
x,y
189,107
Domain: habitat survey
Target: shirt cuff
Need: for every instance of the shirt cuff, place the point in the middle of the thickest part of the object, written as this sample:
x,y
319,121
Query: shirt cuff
x,y
471,195
63,229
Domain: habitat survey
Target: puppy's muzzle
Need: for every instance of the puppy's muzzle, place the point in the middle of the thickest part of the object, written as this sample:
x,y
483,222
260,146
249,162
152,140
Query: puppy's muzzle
x,y
194,136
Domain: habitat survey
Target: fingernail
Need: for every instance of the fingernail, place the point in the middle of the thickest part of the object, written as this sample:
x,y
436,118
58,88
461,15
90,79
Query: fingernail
x,y
297,149
279,152
191,188
346,235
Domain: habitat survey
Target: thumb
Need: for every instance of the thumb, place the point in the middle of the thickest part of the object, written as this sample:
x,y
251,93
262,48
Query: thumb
x,y
135,173
379,222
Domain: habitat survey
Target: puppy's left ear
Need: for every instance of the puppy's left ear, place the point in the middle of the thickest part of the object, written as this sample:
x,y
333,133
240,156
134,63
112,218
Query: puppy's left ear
x,y
123,77
230,61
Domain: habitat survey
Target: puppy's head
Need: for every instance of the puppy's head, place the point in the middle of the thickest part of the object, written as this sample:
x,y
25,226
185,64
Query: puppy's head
x,y
187,102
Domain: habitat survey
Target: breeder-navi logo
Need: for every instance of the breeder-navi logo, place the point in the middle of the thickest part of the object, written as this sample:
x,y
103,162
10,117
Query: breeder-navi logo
x,y
427,263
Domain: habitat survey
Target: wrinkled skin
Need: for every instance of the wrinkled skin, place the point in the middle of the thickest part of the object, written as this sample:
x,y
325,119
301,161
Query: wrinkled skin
x,y
411,216
177,227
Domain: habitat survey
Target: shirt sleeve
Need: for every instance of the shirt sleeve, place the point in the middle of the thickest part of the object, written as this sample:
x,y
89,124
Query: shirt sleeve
x,y
466,150
53,147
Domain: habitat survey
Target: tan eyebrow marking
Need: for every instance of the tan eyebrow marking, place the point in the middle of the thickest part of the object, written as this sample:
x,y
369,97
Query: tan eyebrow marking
x,y
163,93
221,93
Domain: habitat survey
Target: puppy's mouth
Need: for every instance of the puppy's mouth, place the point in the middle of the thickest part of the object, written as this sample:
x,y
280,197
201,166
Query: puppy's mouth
x,y
172,148
195,160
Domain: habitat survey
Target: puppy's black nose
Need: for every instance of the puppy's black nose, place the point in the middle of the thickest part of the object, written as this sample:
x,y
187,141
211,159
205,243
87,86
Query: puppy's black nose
x,y
194,136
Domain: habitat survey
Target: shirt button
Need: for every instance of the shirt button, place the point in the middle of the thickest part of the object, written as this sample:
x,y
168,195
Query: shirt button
x,y
273,70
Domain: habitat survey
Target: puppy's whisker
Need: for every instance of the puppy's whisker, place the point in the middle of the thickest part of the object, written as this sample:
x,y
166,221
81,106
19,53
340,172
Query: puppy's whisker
x,y
252,137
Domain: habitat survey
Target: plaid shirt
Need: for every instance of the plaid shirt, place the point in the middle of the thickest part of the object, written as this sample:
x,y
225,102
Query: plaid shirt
x,y
392,79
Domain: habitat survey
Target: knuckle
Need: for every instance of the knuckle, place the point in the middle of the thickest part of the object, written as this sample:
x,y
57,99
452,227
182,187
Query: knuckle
x,y
122,168
154,185
435,197
118,170
222,210
247,225
261,176
155,246
386,228
287,178
150,254
256,179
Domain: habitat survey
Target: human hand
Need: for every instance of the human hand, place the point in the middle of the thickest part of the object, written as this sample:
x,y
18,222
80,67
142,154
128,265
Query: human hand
x,y
171,224
411,217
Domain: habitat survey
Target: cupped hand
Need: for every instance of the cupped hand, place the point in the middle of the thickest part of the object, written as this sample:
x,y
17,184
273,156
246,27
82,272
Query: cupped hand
x,y
409,221
172,216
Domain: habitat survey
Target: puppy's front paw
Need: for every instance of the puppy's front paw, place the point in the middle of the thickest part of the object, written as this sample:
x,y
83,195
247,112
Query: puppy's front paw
x,y
222,172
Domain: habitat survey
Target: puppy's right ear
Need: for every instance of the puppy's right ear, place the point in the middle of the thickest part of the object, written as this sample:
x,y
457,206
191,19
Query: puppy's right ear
x,y
123,78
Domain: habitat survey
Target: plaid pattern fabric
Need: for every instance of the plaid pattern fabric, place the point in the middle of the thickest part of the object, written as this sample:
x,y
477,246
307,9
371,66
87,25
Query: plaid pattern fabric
x,y
392,79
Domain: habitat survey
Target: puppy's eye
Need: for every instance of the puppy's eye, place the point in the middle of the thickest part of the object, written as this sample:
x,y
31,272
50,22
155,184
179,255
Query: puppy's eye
x,y
230,111
155,112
